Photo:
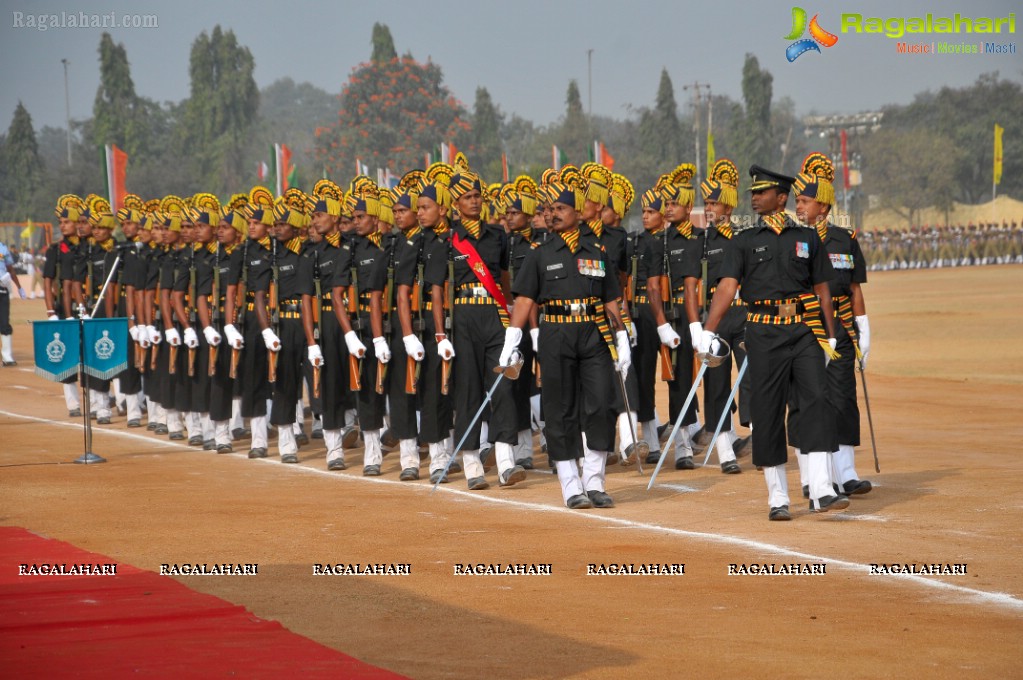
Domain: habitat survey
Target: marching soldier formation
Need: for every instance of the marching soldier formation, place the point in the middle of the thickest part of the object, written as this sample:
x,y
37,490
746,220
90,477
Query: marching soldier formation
x,y
445,312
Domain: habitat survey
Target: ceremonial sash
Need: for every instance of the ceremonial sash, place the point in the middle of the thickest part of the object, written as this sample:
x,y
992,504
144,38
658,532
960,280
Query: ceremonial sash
x,y
482,273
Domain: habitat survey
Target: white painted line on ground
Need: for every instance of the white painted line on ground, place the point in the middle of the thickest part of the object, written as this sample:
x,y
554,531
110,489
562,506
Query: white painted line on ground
x,y
1004,600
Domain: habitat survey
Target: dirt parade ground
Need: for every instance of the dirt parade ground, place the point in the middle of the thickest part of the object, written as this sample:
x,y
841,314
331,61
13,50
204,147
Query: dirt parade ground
x,y
946,385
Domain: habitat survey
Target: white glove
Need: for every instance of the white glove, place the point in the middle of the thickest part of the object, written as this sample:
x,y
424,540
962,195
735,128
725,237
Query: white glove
x,y
381,349
708,343
270,339
445,349
413,347
827,359
315,355
864,328
191,338
212,336
154,335
624,353
173,337
695,331
21,292
633,333
510,352
534,335
355,346
86,315
144,342
5,280
668,335
133,331
234,338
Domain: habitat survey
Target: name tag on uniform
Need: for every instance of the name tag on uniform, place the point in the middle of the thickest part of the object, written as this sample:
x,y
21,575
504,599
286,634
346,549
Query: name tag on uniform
x,y
553,267
287,267
716,251
761,249
802,249
841,260
365,262
253,263
326,263
678,252
591,268
460,257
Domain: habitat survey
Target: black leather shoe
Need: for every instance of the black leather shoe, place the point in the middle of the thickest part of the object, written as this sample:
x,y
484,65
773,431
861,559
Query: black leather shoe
x,y
599,499
194,440
525,463
337,464
152,425
742,447
388,439
485,457
302,439
806,491
663,431
161,428
512,476
579,502
105,420
289,458
612,457
258,452
652,457
179,436
702,436
438,476
349,437
371,471
455,467
478,484
74,413
779,514
685,463
857,487
829,503
135,423
240,433
730,467
409,475
317,433
225,448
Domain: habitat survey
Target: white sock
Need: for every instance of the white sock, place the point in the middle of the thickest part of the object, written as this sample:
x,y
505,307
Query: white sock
x,y
724,447
777,486
568,477
650,434
132,403
409,455
286,440
174,423
524,449
372,454
71,396
332,440
222,432
471,464
439,456
258,426
801,461
192,424
485,435
626,426
594,465
505,456
237,422
683,443
208,430
846,471
818,474
100,402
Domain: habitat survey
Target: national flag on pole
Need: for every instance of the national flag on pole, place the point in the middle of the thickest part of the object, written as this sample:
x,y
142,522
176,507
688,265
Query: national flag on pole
x,y
711,155
998,153
262,170
116,162
426,160
504,168
445,153
558,157
381,182
845,159
390,179
606,159
283,169
452,152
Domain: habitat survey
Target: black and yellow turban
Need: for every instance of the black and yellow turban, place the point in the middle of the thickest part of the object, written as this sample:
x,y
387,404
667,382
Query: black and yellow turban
x,y
261,206
653,199
722,184
205,209
522,195
560,192
172,208
679,185
816,179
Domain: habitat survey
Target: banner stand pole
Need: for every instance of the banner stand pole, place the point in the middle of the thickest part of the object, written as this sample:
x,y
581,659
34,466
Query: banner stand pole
x,y
88,457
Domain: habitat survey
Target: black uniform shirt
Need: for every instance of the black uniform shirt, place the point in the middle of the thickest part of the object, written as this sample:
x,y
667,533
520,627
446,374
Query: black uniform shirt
x,y
644,250
518,247
846,258
615,242
188,258
133,266
364,257
294,275
774,266
492,247
259,272
552,271
205,263
717,244
408,255
683,256
153,257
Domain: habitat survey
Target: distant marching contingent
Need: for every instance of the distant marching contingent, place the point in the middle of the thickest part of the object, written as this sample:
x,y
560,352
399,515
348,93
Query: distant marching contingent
x,y
447,316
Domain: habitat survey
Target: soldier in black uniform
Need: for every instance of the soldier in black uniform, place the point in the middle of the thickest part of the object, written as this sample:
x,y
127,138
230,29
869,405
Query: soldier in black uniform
x,y
90,274
356,272
58,273
784,273
815,197
478,264
720,198
571,277
152,334
187,400
206,217
129,282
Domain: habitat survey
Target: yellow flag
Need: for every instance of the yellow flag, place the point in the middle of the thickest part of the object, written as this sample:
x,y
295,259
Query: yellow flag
x,y
710,152
998,153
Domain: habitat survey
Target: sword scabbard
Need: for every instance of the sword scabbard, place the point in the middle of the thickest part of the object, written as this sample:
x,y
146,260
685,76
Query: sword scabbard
x,y
271,367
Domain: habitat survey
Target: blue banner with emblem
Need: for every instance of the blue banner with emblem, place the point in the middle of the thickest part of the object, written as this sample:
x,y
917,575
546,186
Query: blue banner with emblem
x,y
56,348
106,347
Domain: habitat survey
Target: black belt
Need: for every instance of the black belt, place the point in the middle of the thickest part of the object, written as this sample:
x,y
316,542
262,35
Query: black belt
x,y
290,307
472,291
783,310
570,310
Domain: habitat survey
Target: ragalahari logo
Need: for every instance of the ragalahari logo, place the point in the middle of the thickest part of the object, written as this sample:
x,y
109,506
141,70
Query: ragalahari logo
x,y
817,35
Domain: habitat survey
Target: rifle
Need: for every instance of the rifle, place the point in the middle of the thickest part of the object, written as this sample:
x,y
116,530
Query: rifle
x,y
239,309
215,312
156,317
667,355
412,367
317,317
191,303
354,362
275,316
449,325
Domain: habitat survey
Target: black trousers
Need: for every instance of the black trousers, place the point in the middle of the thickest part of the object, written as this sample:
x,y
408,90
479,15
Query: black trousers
x,y
645,357
183,382
255,387
5,311
523,388
221,385
436,411
200,382
786,362
478,340
576,369
403,406
371,406
841,396
290,360
335,397
717,381
678,389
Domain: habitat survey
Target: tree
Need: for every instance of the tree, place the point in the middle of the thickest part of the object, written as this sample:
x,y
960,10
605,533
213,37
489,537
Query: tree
x,y
573,136
222,106
22,166
118,113
486,129
392,113
383,44
660,131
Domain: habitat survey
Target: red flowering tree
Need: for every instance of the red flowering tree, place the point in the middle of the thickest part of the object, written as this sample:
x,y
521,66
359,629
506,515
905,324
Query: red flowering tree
x,y
394,111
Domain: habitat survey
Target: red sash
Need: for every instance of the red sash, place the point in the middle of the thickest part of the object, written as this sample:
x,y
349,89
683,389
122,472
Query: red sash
x,y
480,269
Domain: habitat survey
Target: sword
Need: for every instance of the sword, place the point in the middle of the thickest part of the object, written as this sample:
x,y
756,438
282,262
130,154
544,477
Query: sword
x,y
636,448
513,373
870,419
727,412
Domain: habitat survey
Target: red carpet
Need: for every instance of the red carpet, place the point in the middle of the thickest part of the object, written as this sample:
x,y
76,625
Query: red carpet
x,y
139,624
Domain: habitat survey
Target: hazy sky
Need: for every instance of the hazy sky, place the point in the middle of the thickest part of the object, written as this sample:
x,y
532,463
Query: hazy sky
x,y
524,52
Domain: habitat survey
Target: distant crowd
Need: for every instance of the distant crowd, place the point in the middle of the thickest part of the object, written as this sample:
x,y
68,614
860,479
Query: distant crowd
x,y
929,246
